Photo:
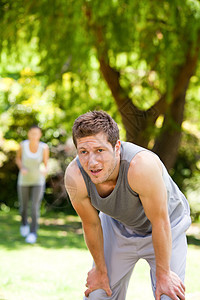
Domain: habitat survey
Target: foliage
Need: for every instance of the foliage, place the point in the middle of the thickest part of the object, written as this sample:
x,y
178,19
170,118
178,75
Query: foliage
x,y
50,67
26,101
142,39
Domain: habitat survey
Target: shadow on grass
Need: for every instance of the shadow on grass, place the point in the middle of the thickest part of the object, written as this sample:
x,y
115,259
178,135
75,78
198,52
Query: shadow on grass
x,y
192,240
54,232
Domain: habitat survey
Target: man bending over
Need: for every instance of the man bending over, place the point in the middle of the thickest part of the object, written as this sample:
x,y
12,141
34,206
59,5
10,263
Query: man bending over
x,y
143,214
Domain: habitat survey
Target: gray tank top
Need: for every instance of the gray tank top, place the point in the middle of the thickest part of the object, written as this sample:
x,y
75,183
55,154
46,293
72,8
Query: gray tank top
x,y
32,162
124,205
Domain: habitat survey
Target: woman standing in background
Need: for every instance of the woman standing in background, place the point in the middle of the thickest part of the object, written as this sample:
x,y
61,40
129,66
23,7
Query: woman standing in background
x,y
31,180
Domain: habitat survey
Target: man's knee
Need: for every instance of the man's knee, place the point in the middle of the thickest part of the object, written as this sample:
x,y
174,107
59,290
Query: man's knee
x,y
97,295
164,297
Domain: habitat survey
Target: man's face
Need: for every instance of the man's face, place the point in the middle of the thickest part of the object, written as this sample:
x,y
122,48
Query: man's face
x,y
97,157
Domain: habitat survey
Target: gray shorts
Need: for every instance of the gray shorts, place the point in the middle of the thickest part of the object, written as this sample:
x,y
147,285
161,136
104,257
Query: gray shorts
x,y
123,249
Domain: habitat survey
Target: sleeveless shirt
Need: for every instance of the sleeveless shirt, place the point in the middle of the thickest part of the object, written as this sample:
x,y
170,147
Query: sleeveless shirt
x,y
124,205
31,161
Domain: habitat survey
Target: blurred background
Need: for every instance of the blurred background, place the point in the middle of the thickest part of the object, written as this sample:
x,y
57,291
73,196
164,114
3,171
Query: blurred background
x,y
137,60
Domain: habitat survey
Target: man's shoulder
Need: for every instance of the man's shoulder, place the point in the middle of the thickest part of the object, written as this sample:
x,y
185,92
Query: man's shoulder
x,y
144,160
73,175
72,170
74,182
143,166
130,150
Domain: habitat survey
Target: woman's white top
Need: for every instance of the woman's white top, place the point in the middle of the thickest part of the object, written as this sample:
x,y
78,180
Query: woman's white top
x,y
32,162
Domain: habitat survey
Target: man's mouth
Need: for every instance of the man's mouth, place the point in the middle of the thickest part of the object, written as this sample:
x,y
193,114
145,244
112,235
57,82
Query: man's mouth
x,y
96,172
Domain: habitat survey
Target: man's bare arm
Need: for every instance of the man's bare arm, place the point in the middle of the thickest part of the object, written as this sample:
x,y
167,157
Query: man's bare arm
x,y
75,186
145,177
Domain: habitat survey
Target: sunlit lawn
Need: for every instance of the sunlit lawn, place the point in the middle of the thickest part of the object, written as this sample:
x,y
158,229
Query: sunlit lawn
x,y
55,267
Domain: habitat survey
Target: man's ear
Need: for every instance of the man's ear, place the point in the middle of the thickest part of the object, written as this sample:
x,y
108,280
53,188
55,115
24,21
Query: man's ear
x,y
117,147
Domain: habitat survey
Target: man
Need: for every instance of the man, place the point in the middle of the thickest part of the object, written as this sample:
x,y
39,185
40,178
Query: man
x,y
143,214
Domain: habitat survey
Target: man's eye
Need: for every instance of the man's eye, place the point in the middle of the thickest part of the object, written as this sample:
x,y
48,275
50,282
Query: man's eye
x,y
83,152
100,150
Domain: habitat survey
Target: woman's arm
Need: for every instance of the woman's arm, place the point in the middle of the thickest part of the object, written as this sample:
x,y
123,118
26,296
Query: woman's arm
x,y
45,159
18,161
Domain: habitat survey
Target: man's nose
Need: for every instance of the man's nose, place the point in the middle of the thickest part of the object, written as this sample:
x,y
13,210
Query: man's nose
x,y
92,160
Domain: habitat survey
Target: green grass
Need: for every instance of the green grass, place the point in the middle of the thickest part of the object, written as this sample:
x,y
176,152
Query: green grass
x,y
55,268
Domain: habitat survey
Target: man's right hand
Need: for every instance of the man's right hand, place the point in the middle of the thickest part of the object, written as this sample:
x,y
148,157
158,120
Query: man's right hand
x,y
97,280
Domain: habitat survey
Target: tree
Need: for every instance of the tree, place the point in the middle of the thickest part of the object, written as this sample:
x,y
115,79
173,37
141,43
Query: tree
x,y
147,52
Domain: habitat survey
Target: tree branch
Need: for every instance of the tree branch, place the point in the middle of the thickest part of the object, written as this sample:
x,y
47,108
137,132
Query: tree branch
x,y
187,69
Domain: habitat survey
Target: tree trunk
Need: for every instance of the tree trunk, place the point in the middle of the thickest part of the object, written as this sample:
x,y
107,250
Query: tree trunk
x,y
134,120
138,122
167,144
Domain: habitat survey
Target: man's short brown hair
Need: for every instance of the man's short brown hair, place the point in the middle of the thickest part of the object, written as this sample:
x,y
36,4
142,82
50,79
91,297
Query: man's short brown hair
x,y
94,122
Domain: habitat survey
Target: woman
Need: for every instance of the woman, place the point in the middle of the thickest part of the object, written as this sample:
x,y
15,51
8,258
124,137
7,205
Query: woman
x,y
31,180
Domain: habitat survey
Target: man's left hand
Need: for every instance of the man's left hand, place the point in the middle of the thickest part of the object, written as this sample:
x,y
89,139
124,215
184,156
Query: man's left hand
x,y
170,285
